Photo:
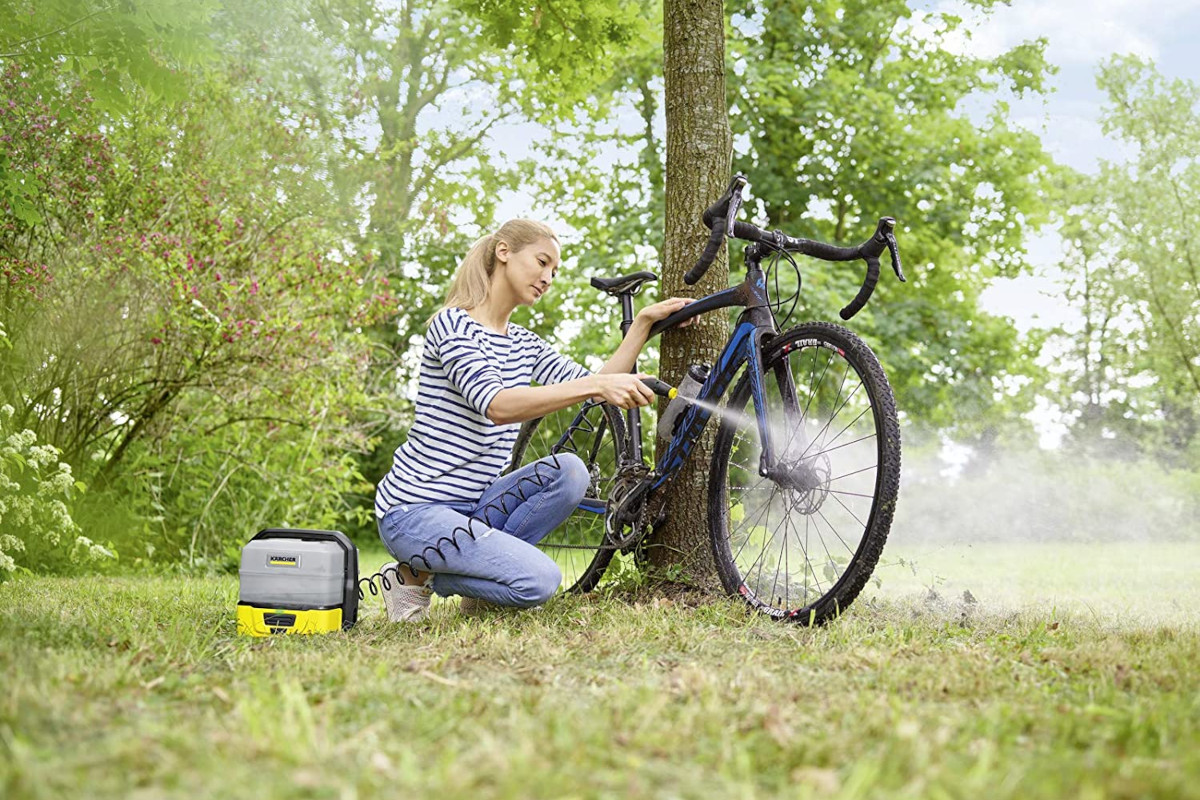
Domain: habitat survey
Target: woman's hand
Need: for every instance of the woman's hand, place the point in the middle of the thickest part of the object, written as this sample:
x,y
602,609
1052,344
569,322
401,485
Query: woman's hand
x,y
622,389
654,313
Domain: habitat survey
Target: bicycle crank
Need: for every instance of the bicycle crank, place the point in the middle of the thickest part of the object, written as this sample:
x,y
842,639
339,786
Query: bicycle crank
x,y
625,511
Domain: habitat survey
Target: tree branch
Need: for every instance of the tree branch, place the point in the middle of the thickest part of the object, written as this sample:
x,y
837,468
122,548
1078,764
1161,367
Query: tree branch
x,y
453,153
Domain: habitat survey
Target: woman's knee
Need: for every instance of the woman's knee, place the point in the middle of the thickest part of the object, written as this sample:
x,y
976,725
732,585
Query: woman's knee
x,y
574,475
538,585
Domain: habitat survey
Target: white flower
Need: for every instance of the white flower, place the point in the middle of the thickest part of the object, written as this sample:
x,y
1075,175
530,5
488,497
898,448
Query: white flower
x,y
43,455
85,548
22,440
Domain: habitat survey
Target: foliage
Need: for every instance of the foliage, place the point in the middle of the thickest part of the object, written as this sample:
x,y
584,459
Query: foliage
x,y
412,94
208,487
846,111
1049,496
116,51
181,270
36,494
1131,372
566,49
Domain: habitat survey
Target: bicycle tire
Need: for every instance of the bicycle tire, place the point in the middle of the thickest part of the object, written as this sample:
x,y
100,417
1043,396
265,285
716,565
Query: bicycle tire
x,y
581,537
816,604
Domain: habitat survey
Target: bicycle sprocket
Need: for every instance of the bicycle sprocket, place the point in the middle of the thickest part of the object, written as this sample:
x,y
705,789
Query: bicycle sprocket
x,y
625,519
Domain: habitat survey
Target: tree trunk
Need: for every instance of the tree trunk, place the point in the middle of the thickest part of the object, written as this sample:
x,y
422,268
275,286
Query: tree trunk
x,y
699,152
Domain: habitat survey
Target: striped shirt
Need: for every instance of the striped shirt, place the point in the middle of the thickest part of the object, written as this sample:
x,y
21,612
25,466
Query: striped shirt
x,y
453,451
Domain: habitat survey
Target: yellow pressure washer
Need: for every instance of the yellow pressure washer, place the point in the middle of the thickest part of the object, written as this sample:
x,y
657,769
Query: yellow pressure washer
x,y
297,581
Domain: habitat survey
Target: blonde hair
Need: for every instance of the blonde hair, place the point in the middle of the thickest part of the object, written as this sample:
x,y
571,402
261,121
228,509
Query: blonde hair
x,y
473,280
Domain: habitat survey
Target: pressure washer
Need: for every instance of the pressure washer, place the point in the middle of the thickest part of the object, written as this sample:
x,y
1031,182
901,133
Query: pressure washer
x,y
297,581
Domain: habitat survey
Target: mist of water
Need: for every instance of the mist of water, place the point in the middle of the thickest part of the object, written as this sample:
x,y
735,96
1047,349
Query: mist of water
x,y
1116,539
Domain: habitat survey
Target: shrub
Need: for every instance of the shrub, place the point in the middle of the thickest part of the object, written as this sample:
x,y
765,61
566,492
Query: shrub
x,y
36,488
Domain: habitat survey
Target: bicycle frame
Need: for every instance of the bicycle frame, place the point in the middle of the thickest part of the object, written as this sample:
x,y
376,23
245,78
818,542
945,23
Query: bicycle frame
x,y
755,325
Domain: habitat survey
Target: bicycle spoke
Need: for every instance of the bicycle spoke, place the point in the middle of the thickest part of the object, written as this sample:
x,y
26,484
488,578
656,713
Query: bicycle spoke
x,y
849,549
825,547
812,391
856,472
846,444
852,494
831,418
843,430
848,511
750,530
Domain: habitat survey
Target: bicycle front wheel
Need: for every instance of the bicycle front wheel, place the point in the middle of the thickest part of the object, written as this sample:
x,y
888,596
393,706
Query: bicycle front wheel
x,y
801,541
595,433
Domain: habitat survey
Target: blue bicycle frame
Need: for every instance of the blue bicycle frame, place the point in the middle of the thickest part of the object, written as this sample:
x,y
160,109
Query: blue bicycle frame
x,y
754,327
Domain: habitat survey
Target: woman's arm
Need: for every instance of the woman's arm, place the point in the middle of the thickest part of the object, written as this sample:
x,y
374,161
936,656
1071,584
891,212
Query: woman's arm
x,y
613,383
626,355
520,403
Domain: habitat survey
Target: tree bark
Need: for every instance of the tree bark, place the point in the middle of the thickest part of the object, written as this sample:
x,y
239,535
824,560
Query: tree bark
x,y
699,153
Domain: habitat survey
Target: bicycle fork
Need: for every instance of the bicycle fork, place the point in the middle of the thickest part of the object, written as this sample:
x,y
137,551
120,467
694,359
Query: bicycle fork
x,y
791,466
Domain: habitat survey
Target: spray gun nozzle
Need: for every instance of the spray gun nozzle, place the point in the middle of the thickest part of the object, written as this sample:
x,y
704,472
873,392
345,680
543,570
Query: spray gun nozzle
x,y
661,388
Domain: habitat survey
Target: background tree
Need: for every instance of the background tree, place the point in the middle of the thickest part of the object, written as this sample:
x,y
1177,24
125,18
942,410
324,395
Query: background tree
x,y
1133,271
843,112
415,91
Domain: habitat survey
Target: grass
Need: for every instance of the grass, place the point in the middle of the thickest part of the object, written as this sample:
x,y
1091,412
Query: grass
x,y
139,687
1115,583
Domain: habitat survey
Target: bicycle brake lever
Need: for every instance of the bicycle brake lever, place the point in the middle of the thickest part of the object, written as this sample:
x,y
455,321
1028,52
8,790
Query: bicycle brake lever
x,y
735,203
894,249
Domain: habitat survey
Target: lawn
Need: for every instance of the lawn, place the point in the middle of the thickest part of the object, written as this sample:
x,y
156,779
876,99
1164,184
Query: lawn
x,y
139,687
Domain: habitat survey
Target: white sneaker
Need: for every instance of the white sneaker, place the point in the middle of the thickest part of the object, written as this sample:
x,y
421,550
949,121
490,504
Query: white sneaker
x,y
404,602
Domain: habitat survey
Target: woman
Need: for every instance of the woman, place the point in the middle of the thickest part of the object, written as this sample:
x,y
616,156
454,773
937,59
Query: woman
x,y
474,391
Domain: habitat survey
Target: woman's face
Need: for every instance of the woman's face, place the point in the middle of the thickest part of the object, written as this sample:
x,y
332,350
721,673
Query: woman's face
x,y
529,271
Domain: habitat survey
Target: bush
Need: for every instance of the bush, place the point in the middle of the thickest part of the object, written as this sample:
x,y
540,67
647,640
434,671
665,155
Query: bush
x,y
35,490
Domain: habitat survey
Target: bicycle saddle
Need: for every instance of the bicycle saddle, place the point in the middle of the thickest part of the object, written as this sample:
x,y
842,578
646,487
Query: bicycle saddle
x,y
631,283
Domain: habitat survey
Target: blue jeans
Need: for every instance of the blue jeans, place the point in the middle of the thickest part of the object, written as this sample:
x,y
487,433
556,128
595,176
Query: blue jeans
x,y
487,550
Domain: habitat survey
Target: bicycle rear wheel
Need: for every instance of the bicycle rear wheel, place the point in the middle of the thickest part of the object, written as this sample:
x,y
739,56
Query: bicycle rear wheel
x,y
801,543
595,433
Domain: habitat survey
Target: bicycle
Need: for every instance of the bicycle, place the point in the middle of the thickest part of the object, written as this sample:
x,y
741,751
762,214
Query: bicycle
x,y
764,465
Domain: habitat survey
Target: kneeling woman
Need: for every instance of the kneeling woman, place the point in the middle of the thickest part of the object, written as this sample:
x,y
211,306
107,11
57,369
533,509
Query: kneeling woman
x,y
474,391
